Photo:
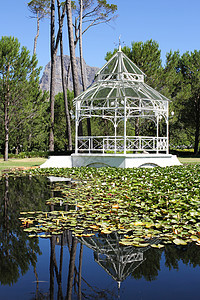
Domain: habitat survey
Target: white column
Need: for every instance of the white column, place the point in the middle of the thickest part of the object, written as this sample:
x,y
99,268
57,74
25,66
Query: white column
x,y
157,134
125,125
167,124
115,125
76,129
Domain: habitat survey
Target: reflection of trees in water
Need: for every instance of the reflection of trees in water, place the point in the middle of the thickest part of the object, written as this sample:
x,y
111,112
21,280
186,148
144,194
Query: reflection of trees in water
x,y
173,255
118,261
189,255
17,251
25,193
57,267
150,267
75,280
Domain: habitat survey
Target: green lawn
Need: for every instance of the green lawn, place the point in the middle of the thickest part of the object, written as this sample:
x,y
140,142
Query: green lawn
x,y
189,160
25,162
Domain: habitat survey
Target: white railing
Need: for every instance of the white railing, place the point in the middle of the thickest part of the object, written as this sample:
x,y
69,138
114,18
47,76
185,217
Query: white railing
x,y
104,144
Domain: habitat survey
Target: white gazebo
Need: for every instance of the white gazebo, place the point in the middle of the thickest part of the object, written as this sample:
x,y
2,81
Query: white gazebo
x,y
131,116
121,98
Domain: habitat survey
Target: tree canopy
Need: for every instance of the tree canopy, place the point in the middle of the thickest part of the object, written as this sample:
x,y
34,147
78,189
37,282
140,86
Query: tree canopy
x,y
20,94
177,79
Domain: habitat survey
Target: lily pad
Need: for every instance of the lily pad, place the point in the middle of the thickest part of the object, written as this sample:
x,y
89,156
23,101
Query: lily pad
x,y
179,242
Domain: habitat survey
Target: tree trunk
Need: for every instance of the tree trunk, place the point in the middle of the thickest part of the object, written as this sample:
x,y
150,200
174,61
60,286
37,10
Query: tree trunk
x,y
54,48
73,56
67,115
6,205
81,47
137,126
83,76
6,119
72,49
80,271
52,81
196,143
6,122
197,128
51,288
71,268
68,75
37,34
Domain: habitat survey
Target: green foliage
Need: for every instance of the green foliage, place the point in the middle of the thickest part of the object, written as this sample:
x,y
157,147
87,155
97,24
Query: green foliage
x,y
21,98
178,80
17,251
60,130
40,8
28,154
141,204
107,8
190,110
182,85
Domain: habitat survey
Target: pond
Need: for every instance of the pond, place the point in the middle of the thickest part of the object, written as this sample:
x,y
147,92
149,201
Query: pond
x,y
90,267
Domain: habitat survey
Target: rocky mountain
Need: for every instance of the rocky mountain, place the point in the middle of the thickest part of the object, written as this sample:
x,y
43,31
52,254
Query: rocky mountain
x,y
45,80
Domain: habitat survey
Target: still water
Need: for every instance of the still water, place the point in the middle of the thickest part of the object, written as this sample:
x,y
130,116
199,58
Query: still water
x,y
63,267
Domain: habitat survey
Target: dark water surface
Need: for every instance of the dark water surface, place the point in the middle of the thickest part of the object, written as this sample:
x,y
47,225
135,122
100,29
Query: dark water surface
x,y
63,267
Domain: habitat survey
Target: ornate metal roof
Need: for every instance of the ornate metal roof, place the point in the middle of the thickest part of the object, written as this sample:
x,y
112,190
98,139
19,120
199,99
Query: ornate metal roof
x,y
120,78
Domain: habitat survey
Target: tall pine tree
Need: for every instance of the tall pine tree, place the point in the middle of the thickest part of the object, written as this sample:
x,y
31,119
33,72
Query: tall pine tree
x,y
20,94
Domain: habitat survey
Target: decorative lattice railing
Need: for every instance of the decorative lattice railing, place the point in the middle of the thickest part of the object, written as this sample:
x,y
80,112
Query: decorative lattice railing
x,y
105,144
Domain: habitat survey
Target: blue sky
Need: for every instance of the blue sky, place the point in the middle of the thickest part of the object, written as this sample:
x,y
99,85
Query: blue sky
x,y
174,24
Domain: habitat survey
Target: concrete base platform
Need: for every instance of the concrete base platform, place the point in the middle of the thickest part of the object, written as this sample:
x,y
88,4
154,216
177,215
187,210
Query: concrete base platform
x,y
112,160
58,162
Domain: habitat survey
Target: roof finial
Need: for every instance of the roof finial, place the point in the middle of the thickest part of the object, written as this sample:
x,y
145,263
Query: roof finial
x,y
120,47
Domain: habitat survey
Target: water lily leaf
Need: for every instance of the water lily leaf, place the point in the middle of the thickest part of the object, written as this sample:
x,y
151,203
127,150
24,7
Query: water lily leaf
x,y
179,242
142,245
87,234
78,230
159,246
194,237
30,229
106,231
138,223
94,227
126,243
44,236
157,209
167,242
149,225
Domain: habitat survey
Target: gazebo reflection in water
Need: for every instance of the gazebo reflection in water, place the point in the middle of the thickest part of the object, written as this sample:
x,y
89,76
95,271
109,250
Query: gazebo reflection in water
x,y
118,261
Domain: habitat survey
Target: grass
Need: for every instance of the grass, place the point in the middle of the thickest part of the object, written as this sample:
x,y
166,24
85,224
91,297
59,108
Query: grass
x,y
23,162
189,160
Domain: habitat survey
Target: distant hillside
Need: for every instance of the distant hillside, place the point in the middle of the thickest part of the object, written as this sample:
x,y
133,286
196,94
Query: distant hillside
x,y
45,80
